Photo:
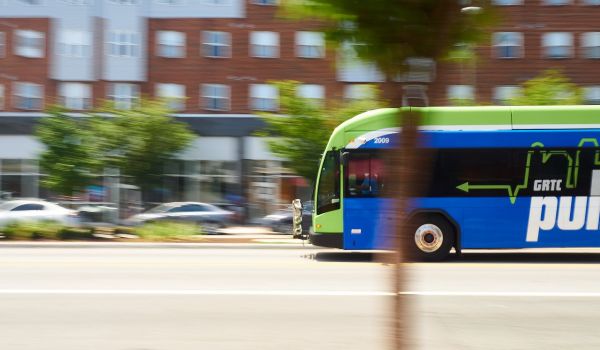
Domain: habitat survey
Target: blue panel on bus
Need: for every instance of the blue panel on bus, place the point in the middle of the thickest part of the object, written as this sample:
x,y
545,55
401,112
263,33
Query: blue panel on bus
x,y
492,139
367,223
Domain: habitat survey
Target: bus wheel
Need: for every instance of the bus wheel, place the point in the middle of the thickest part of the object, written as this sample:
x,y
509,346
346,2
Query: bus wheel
x,y
433,237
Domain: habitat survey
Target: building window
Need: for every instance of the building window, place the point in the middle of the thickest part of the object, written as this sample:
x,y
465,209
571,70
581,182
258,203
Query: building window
x,y
264,44
170,2
557,45
74,43
557,2
590,43
216,44
592,95
461,94
173,94
124,2
28,96
170,44
124,95
264,97
75,96
508,44
507,2
29,43
310,44
504,94
313,93
215,97
265,2
2,97
123,44
2,45
356,92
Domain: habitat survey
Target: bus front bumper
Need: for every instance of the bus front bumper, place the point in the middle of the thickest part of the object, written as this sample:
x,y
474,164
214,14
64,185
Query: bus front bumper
x,y
329,240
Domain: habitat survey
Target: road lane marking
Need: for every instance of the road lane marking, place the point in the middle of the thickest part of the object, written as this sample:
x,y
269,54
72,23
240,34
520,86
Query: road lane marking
x,y
325,293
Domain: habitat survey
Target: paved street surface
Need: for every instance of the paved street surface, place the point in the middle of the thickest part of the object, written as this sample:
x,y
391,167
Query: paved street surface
x,y
267,297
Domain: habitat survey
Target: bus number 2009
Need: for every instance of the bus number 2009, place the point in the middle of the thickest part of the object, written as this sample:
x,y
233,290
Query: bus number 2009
x,y
382,140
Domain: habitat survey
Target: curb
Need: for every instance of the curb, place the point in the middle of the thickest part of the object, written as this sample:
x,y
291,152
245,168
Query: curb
x,y
151,245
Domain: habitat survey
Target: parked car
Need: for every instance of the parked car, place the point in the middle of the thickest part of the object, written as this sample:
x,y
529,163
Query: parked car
x,y
211,218
281,221
23,210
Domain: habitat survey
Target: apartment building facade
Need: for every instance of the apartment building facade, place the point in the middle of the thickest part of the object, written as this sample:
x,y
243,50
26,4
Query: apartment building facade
x,y
214,61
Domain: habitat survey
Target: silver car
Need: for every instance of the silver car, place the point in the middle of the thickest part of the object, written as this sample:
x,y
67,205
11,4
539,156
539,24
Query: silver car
x,y
211,218
24,210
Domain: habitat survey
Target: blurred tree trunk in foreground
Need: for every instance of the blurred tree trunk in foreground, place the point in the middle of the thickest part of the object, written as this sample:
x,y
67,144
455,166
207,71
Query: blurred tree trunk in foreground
x,y
387,33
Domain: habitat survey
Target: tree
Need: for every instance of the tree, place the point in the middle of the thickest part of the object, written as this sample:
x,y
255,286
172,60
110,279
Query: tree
x,y
550,87
140,141
70,160
305,126
388,33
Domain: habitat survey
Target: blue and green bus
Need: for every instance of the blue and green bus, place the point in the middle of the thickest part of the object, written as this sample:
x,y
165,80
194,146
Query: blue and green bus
x,y
499,177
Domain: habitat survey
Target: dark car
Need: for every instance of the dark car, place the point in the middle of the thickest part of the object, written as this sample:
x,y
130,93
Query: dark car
x,y
211,218
282,221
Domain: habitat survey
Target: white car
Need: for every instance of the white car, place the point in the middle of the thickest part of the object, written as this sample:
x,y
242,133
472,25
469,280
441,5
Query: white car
x,y
36,210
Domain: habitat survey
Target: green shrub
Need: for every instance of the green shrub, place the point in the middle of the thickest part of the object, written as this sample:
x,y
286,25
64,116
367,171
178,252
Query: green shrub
x,y
33,230
167,231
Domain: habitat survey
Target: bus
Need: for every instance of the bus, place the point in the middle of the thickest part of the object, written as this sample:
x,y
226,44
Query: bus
x,y
498,177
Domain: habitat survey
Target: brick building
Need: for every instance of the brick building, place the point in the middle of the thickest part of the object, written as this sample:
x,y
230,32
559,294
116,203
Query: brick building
x,y
213,60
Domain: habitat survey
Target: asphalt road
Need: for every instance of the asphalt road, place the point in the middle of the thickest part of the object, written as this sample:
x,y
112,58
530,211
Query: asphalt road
x,y
278,298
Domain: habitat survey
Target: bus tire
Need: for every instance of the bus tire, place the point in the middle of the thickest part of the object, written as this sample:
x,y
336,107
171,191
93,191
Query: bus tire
x,y
432,237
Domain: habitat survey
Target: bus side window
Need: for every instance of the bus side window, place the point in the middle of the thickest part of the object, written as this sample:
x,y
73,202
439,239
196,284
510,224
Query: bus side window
x,y
364,175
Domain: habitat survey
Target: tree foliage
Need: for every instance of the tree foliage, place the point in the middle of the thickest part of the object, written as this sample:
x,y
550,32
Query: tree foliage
x,y
304,126
141,141
70,160
550,87
138,141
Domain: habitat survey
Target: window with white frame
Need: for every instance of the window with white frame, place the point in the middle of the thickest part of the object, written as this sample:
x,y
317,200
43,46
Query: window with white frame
x,y
507,2
215,97
591,95
170,2
124,2
508,44
170,44
123,44
2,97
265,2
216,44
310,44
460,94
556,2
73,43
75,96
2,45
217,2
264,44
28,96
557,45
359,92
173,94
124,95
29,43
590,42
312,92
264,97
503,94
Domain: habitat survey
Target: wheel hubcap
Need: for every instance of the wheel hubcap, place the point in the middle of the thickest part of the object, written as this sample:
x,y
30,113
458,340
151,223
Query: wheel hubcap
x,y
429,238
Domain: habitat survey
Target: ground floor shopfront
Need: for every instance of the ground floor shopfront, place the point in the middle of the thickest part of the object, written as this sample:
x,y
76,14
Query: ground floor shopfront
x,y
224,164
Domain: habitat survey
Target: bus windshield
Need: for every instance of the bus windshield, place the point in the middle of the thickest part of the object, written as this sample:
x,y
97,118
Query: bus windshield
x,y
328,188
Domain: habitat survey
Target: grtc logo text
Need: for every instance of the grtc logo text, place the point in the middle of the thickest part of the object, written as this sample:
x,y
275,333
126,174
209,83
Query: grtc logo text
x,y
568,213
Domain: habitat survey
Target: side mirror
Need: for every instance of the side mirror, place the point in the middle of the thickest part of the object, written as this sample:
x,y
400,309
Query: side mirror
x,y
344,158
